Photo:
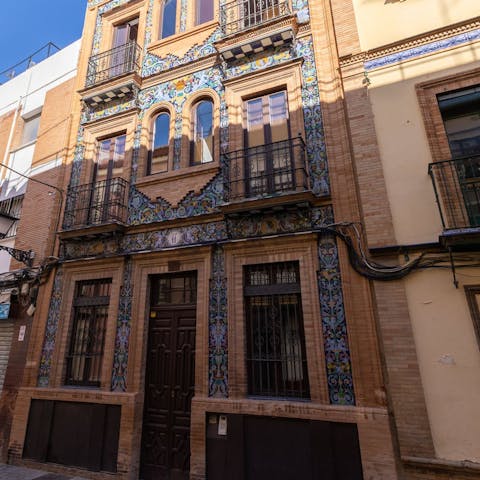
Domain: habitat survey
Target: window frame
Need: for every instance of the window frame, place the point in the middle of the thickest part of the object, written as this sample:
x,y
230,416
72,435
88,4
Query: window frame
x,y
26,121
151,145
193,118
159,22
471,291
196,9
274,293
92,302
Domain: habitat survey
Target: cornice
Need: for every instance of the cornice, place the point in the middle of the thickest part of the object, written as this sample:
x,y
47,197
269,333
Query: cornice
x,y
392,53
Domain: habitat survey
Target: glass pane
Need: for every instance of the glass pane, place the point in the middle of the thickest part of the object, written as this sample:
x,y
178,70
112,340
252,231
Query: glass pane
x,y
278,116
118,155
255,122
203,132
160,150
103,158
169,18
204,11
30,129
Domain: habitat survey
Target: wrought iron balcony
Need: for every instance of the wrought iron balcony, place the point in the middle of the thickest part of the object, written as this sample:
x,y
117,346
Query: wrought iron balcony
x,y
113,63
97,203
239,15
457,190
266,170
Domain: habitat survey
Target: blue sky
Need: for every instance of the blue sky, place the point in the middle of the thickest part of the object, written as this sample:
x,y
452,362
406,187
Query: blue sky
x,y
27,25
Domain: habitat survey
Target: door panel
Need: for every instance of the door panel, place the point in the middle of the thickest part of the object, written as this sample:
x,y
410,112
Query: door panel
x,y
169,388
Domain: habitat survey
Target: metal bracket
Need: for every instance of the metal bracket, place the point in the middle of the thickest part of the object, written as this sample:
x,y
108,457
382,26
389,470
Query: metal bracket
x,y
24,256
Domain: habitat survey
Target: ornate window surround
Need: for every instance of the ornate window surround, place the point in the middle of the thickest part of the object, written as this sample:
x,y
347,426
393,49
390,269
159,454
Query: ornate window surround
x,y
304,251
287,76
121,15
106,128
75,273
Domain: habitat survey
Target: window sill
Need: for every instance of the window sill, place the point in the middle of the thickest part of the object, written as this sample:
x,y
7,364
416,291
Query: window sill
x,y
159,178
172,39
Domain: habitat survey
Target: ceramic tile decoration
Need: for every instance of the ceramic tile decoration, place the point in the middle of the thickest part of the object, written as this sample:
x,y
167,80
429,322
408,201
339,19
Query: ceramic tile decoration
x,y
120,359
51,330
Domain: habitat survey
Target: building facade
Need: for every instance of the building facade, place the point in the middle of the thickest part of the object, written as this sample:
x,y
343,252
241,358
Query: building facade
x,y
418,191
212,312
35,110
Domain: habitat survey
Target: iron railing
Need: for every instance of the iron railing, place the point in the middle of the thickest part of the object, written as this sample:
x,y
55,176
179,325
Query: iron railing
x,y
96,203
457,190
239,15
265,170
113,63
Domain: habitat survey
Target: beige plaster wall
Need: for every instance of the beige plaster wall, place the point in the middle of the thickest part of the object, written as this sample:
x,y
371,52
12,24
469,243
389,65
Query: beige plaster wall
x,y
449,359
402,139
381,22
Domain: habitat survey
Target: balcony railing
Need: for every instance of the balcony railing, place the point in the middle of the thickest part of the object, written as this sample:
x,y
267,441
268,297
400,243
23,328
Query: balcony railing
x,y
113,63
266,170
457,190
97,203
239,15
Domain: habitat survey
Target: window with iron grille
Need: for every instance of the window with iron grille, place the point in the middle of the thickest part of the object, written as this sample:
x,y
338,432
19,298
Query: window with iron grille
x,y
90,312
276,359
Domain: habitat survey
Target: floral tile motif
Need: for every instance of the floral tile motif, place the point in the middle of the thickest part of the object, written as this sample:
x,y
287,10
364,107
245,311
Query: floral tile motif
x,y
261,225
217,327
51,330
334,326
153,64
142,210
77,159
72,250
174,237
120,359
261,60
315,138
91,115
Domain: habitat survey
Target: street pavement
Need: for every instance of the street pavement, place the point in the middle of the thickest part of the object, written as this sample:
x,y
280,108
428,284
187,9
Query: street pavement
x,y
11,472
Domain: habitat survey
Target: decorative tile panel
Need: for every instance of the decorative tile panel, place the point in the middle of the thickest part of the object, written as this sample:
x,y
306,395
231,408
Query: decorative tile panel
x,y
77,159
142,210
428,48
217,327
174,237
334,326
51,330
315,138
260,225
91,115
120,359
153,64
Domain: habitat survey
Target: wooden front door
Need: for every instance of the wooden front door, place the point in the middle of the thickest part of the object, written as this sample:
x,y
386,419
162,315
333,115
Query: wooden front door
x,y
169,380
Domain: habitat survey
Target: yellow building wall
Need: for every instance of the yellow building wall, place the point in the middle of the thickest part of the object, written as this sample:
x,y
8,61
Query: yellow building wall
x,y
382,22
449,359
403,142
447,348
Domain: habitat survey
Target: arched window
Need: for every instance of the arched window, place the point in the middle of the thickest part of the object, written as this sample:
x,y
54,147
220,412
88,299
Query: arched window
x,y
158,155
203,11
202,144
168,18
